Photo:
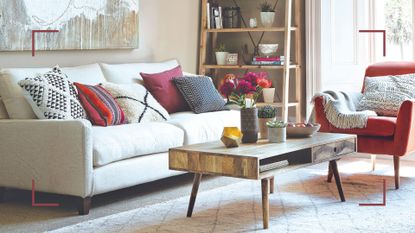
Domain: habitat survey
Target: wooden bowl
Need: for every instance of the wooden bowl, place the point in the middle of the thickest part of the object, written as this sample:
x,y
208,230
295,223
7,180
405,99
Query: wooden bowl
x,y
302,132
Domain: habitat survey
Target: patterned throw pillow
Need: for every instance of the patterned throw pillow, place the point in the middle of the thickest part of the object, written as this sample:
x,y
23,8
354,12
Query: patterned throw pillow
x,y
385,94
200,94
102,109
52,96
137,103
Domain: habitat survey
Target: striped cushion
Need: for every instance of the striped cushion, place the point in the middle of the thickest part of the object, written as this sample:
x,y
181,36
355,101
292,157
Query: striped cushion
x,y
100,106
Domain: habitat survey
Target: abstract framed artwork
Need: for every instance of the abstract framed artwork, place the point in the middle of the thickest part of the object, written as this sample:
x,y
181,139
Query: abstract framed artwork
x,y
82,24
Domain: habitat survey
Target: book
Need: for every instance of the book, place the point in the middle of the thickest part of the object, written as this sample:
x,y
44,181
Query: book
x,y
208,15
277,58
268,63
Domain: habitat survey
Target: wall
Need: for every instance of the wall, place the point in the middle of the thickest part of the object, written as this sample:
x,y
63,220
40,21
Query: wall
x,y
168,29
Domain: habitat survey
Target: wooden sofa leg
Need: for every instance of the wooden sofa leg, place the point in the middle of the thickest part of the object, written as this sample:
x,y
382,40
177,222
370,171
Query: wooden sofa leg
x,y
396,168
84,205
2,194
330,174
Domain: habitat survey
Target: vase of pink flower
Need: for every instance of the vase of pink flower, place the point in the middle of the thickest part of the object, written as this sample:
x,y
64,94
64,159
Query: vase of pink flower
x,y
245,92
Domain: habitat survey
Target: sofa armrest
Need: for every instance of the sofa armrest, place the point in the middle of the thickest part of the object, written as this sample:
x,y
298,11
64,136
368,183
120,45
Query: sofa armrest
x,y
404,139
320,115
56,154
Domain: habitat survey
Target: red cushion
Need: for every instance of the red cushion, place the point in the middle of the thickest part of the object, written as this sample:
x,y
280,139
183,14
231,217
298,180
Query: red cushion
x,y
376,126
100,106
162,87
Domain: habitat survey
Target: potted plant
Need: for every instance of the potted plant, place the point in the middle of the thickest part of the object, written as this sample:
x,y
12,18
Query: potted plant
x,y
267,14
277,131
221,54
267,92
265,114
244,92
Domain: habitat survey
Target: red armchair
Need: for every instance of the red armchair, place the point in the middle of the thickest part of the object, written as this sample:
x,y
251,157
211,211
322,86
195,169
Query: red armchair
x,y
393,136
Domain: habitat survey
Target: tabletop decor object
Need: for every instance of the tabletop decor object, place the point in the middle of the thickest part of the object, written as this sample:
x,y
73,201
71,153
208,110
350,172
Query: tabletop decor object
x,y
231,137
245,92
265,114
302,129
277,131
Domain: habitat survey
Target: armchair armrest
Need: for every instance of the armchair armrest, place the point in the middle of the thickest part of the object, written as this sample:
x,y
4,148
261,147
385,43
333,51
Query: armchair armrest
x,y
56,154
404,139
320,115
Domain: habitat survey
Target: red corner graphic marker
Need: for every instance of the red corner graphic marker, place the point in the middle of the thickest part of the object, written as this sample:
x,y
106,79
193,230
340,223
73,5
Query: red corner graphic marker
x,y
384,37
33,38
384,198
40,204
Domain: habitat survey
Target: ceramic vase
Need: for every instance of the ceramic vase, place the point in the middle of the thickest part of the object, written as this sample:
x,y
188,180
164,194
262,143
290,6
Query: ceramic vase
x,y
221,58
268,94
267,19
249,125
277,135
263,128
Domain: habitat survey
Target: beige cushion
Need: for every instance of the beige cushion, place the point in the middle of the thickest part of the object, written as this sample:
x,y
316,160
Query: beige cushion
x,y
3,111
204,127
120,142
11,93
130,73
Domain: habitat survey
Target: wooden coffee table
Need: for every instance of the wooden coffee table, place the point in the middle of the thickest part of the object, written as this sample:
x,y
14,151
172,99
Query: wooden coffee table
x,y
261,161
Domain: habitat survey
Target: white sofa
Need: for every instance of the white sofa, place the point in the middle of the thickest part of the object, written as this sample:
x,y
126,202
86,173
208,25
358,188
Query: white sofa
x,y
78,159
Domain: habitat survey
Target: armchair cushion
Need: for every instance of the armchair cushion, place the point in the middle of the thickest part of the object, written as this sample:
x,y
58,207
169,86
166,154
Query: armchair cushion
x,y
376,126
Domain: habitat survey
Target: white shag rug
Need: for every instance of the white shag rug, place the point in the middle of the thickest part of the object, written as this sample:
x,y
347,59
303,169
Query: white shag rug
x,y
303,202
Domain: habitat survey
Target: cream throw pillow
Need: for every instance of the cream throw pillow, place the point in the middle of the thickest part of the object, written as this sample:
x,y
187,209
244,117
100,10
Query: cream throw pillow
x,y
137,103
385,94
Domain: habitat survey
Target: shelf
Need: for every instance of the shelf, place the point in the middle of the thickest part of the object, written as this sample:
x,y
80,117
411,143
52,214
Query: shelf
x,y
248,67
273,29
261,104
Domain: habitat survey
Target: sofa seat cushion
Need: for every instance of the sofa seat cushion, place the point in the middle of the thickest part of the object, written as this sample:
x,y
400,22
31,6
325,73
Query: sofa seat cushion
x,y
204,127
115,143
376,126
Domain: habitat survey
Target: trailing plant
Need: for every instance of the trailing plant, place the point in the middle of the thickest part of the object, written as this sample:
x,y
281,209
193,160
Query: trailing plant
x,y
221,48
267,112
266,7
276,124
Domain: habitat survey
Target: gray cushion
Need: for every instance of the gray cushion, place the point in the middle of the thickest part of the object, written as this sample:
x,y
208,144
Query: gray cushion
x,y
200,94
385,94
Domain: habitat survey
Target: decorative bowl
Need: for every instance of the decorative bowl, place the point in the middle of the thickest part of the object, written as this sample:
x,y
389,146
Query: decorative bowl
x,y
300,132
268,50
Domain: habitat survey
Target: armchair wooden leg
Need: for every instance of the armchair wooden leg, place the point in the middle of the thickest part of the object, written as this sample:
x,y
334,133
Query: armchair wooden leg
x,y
2,194
330,174
396,168
373,161
84,205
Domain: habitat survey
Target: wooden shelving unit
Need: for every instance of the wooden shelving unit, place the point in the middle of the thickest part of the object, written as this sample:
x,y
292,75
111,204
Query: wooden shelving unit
x,y
290,64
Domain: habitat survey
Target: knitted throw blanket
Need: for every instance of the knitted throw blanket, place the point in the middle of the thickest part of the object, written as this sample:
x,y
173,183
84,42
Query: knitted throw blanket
x,y
340,108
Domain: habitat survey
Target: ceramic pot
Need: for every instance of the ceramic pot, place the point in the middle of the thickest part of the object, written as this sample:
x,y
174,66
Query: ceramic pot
x,y
221,58
268,94
267,19
277,135
263,128
249,125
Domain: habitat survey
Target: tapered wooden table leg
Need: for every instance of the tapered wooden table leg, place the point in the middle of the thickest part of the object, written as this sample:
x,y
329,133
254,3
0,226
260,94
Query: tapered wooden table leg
x,y
329,174
333,165
265,202
196,182
271,185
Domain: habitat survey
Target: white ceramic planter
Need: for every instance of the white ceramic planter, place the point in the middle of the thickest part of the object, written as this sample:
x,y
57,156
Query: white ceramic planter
x,y
221,58
277,135
268,94
267,19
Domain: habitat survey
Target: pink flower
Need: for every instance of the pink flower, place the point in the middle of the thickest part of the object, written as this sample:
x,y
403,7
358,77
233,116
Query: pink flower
x,y
245,87
264,82
251,77
227,88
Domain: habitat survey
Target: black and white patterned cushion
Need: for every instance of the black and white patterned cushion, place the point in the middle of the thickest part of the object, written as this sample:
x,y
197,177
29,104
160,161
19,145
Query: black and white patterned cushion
x,y
52,96
385,94
200,94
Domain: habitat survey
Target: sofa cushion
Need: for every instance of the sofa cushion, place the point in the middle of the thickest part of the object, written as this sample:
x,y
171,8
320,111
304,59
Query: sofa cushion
x,y
130,73
11,93
115,143
376,126
204,127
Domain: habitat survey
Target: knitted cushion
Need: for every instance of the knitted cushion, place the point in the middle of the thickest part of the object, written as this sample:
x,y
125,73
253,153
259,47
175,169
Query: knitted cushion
x,y
200,94
100,106
385,94
52,96
137,103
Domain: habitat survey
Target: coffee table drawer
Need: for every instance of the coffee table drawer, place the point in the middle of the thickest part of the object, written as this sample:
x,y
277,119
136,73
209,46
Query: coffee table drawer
x,y
332,150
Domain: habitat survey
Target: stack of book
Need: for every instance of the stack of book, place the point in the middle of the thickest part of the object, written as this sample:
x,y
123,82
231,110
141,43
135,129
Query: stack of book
x,y
214,16
268,61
